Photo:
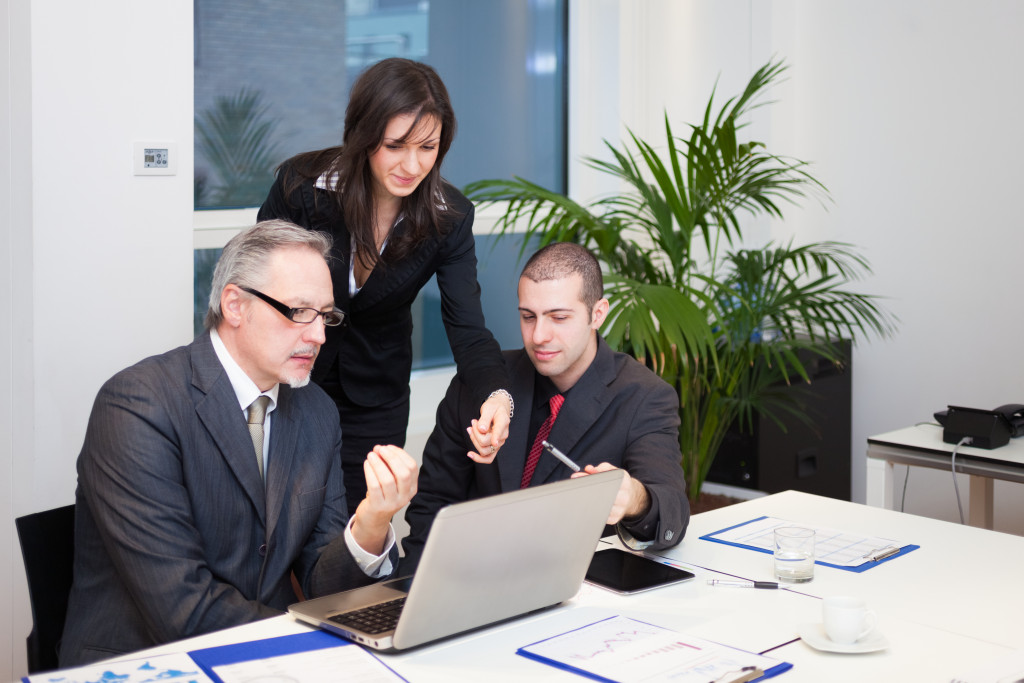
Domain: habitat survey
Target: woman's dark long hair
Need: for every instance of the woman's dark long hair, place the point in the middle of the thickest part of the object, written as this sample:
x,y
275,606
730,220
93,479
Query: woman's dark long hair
x,y
389,88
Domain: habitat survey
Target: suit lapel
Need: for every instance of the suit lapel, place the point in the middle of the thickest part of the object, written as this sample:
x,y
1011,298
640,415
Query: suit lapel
x,y
220,414
385,279
512,458
585,405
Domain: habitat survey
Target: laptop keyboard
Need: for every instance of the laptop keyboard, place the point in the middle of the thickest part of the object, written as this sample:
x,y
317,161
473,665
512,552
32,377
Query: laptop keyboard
x,y
374,619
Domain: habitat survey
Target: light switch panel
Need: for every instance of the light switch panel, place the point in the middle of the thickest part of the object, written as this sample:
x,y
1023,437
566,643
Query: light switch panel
x,y
155,158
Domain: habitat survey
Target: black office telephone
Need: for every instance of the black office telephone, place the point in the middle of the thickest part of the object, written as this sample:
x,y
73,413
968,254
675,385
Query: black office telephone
x,y
1013,413
986,428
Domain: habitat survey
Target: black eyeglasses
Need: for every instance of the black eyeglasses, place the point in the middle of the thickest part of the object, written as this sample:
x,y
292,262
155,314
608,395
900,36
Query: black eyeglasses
x,y
304,316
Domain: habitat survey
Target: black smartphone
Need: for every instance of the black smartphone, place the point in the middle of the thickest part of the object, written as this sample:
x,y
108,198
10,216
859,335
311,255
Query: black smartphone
x,y
627,573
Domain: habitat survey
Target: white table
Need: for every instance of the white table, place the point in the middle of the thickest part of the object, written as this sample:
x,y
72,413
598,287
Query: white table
x,y
922,446
945,608
962,579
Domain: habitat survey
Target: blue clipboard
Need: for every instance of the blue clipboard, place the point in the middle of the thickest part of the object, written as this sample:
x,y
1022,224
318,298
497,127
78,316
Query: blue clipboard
x,y
559,664
210,657
868,564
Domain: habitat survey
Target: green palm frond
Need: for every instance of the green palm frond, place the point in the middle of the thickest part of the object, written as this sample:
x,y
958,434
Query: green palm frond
x,y
793,292
658,323
551,216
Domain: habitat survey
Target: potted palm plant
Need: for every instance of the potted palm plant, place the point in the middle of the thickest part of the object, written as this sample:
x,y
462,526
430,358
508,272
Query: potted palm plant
x,y
725,325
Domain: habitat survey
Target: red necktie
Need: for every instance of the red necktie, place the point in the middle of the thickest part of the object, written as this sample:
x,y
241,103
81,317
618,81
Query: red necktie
x,y
538,444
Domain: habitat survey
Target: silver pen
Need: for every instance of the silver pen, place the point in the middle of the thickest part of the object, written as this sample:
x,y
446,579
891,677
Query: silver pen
x,y
743,584
561,456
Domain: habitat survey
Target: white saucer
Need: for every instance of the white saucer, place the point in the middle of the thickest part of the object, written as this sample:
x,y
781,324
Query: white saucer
x,y
814,635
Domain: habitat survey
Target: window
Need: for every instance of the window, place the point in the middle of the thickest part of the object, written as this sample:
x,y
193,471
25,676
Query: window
x,y
272,80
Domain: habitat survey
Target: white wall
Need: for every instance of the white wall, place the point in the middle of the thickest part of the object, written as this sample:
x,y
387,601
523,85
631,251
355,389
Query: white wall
x,y
909,113
9,244
906,109
100,261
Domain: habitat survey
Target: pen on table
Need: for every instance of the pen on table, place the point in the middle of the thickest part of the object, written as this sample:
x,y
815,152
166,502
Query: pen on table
x,y
743,584
561,456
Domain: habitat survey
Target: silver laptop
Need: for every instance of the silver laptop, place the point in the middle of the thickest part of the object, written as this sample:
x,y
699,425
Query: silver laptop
x,y
485,561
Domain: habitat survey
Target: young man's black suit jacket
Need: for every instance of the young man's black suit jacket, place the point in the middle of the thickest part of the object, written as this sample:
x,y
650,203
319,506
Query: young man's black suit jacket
x,y
618,412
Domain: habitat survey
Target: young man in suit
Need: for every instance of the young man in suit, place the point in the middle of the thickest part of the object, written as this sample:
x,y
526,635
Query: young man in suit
x,y
188,519
610,412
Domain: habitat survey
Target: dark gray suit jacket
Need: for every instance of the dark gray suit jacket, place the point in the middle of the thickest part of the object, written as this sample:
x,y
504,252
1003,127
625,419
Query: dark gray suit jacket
x,y
174,532
619,412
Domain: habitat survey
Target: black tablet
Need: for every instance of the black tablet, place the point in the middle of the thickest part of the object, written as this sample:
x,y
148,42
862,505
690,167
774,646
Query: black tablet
x,y
624,572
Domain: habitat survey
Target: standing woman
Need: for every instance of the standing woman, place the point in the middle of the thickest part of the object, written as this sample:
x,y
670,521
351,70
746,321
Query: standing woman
x,y
395,224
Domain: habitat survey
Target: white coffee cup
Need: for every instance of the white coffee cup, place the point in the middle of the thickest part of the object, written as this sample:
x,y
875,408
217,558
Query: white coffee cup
x,y
847,619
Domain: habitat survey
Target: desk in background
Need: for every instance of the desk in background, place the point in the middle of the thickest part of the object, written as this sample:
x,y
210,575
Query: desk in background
x,y
945,608
922,446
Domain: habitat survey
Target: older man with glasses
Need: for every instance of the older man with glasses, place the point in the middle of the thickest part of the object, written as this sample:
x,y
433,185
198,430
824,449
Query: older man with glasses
x,y
209,475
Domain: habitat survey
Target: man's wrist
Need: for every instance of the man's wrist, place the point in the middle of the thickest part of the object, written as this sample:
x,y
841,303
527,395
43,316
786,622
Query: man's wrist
x,y
641,503
369,532
374,565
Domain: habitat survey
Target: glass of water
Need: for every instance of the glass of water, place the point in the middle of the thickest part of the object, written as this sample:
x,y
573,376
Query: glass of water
x,y
794,554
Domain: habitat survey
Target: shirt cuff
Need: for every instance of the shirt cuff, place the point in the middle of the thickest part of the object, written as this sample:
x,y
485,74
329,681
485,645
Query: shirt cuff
x,y
629,540
374,566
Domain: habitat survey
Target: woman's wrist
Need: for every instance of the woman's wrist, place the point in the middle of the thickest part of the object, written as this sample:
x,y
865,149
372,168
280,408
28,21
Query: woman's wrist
x,y
502,393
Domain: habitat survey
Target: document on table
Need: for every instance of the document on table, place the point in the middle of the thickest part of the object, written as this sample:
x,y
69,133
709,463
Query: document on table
x,y
298,658
176,668
627,650
833,547
351,663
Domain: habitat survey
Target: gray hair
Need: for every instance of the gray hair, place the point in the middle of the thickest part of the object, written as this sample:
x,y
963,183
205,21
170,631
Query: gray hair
x,y
244,259
559,260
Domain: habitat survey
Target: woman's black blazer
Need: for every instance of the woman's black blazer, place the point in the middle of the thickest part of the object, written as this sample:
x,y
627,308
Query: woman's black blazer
x,y
372,348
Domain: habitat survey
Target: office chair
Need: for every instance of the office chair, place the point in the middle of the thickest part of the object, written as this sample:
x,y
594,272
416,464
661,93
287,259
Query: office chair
x,y
48,549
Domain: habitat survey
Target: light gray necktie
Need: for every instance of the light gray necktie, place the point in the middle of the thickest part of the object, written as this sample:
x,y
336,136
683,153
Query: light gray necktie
x,y
258,411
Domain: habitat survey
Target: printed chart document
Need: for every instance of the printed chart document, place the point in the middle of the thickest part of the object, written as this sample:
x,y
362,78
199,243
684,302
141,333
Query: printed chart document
x,y
175,668
832,547
625,650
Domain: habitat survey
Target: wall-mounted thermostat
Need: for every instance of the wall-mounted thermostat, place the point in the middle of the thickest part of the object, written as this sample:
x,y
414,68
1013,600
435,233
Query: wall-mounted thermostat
x,y
155,158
